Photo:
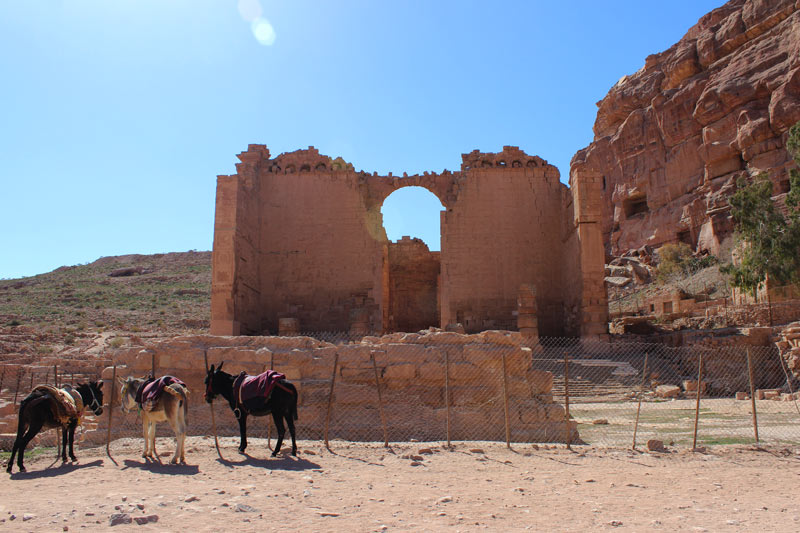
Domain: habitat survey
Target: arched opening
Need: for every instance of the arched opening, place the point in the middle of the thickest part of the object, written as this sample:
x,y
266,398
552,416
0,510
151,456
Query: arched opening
x,y
412,220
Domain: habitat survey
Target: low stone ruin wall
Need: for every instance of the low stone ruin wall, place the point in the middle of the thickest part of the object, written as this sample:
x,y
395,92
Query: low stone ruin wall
x,y
411,370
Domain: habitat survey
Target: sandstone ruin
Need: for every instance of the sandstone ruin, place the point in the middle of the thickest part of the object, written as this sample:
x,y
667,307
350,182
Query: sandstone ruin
x,y
672,139
299,243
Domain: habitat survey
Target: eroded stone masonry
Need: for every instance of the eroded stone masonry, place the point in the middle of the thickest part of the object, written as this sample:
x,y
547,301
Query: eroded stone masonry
x,y
299,242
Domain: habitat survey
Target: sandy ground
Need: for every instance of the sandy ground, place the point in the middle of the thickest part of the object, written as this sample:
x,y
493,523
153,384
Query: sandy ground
x,y
409,487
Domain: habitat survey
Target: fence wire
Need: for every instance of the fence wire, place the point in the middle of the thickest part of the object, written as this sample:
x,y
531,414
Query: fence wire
x,y
477,389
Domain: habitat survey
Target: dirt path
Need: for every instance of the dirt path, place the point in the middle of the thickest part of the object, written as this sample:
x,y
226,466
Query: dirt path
x,y
364,487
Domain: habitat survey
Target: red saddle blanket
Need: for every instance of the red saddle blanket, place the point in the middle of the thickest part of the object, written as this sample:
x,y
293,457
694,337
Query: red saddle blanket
x,y
251,387
150,391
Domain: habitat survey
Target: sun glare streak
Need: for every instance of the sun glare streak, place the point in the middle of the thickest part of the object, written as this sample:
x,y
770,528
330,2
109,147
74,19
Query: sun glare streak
x,y
250,10
263,31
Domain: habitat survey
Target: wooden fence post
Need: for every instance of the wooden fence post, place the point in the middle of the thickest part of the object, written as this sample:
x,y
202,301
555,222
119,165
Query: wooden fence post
x,y
380,401
505,400
752,393
641,393
447,393
566,401
330,399
55,375
153,364
697,406
111,411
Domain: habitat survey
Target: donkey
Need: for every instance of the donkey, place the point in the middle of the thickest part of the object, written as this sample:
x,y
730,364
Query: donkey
x,y
282,403
48,407
172,406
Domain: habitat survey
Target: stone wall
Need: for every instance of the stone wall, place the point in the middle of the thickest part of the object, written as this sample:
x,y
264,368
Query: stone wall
x,y
413,285
297,236
412,374
671,139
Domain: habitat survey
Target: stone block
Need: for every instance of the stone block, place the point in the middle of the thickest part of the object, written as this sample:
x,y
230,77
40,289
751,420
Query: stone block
x,y
741,395
432,373
668,391
554,411
465,373
401,371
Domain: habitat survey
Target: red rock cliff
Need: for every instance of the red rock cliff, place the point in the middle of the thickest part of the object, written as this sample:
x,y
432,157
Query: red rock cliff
x,y
671,139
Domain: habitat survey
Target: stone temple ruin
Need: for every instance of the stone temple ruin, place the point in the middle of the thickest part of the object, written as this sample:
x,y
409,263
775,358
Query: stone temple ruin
x,y
299,245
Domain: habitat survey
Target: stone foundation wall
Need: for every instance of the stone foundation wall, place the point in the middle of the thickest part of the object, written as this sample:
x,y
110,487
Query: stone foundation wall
x,y
412,376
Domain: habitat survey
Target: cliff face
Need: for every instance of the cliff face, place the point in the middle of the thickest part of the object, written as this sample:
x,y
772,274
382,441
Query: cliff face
x,y
671,139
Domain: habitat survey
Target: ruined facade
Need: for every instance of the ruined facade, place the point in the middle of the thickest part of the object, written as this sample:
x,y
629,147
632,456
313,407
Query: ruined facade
x,y
299,236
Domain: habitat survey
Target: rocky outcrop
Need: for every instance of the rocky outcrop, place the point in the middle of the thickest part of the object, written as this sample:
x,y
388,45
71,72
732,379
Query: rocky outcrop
x,y
672,139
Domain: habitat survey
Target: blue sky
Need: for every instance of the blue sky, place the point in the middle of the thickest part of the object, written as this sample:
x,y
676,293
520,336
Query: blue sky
x,y
117,116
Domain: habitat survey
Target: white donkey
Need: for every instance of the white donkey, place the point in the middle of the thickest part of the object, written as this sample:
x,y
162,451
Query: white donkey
x,y
172,406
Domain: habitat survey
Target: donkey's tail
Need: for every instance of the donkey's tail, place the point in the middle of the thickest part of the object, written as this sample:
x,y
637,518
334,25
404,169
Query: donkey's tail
x,y
294,399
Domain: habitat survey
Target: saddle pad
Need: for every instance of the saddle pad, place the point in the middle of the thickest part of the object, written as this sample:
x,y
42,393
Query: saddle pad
x,y
67,400
251,387
150,391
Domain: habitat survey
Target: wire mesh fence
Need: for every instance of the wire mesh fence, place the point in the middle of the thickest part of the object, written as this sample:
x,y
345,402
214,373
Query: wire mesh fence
x,y
450,387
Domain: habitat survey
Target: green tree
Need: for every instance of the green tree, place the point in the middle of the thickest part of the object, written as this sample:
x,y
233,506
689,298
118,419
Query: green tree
x,y
768,244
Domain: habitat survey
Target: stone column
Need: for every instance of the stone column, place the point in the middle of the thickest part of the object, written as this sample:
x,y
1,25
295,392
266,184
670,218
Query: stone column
x,y
527,320
587,191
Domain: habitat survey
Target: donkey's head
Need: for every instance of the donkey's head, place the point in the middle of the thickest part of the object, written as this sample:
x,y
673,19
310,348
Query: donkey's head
x,y
215,382
127,393
92,395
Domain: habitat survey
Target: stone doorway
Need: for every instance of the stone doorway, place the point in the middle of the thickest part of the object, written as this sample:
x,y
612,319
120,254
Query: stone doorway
x,y
411,267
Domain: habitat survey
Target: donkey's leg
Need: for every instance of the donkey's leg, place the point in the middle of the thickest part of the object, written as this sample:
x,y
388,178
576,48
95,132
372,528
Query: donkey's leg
x,y
242,433
278,418
151,428
62,432
21,427
173,417
72,425
145,436
33,430
290,423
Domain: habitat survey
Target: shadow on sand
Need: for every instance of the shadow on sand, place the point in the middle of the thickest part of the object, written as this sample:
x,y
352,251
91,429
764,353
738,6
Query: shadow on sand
x,y
162,468
52,471
282,462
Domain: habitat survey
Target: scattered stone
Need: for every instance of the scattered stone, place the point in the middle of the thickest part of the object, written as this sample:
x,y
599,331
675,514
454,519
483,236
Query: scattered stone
x,y
142,520
700,449
140,506
741,395
244,508
191,498
119,518
425,451
655,445
415,463
600,422
615,523
668,391
445,499
309,452
28,516
417,458
65,528
477,450
327,513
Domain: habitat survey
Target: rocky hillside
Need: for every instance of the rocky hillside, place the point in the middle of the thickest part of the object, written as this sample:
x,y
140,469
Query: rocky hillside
x,y
672,139
104,304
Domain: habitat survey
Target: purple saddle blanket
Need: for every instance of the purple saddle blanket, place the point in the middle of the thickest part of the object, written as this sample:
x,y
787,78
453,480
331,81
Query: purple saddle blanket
x,y
251,387
150,391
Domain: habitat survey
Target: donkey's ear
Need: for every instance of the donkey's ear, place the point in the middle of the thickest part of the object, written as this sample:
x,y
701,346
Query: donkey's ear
x,y
121,381
211,369
220,366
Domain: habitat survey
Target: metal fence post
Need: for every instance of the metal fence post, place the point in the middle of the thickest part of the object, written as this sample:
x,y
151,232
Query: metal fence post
x,y
269,426
697,406
211,406
111,411
330,399
641,393
505,400
16,389
566,401
752,393
447,393
380,401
